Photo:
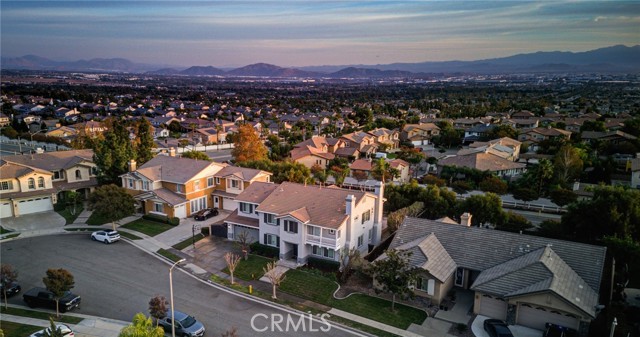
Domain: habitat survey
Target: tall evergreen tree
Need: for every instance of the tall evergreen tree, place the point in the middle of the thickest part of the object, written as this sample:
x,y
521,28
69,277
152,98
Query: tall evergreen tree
x,y
113,154
144,142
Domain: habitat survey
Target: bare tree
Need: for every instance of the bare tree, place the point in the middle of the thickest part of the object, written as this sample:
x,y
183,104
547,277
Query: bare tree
x,y
8,275
232,262
244,240
158,307
233,332
349,259
275,276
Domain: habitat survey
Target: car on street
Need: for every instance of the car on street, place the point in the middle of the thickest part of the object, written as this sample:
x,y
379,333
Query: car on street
x,y
64,329
554,330
185,325
497,328
12,289
106,236
41,297
205,214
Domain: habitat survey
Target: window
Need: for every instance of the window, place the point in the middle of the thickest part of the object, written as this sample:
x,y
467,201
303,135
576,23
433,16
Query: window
x,y
271,240
41,182
366,216
235,183
58,175
426,285
246,208
158,207
196,185
78,174
209,181
94,170
314,230
269,219
6,185
145,185
370,234
32,184
217,181
179,188
324,252
290,226
198,204
130,183
360,240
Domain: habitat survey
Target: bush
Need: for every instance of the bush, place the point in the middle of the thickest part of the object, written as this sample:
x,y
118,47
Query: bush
x,y
461,186
173,221
156,218
264,250
461,327
205,231
433,180
59,206
323,265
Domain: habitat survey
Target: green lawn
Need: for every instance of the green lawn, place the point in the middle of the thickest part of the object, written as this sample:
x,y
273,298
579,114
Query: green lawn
x,y
4,231
39,315
11,236
17,329
188,242
95,220
66,214
148,227
169,255
129,236
251,269
298,282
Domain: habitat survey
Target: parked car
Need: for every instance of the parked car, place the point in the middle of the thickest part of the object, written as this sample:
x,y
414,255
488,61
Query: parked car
x,y
65,329
554,330
12,289
41,297
186,326
205,214
497,328
106,236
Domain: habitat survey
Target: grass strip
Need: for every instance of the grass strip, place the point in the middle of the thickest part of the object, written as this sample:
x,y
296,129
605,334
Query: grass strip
x,y
147,227
11,236
70,218
130,236
186,243
169,255
95,220
40,315
250,269
18,329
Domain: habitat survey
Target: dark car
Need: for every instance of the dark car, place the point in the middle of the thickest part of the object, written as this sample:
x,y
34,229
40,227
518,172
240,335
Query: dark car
x,y
554,330
205,214
185,325
12,289
497,328
40,297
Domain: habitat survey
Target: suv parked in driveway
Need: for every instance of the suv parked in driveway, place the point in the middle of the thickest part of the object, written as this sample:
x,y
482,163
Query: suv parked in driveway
x,y
106,236
186,326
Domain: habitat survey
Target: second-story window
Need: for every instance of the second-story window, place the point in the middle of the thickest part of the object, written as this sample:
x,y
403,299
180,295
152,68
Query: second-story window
x,y
246,208
58,175
269,218
32,184
235,183
40,182
196,185
6,185
291,226
145,185
130,183
366,216
217,181
179,188
78,174
209,181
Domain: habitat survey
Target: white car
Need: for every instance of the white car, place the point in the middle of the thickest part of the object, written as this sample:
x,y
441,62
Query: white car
x,y
65,329
106,236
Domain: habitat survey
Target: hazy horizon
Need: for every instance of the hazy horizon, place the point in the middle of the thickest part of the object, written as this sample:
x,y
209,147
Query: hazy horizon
x,y
232,34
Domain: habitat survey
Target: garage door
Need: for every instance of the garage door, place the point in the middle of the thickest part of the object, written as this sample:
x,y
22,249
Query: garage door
x,y
535,317
34,205
493,307
252,233
180,211
229,204
6,210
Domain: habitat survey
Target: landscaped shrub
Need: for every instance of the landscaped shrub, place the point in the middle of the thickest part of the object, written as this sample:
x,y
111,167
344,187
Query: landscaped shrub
x,y
156,217
173,221
59,206
461,186
461,327
323,265
264,250
204,231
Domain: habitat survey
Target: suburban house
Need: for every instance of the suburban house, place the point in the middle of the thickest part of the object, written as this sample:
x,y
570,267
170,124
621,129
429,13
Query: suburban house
x,y
478,132
483,160
308,221
33,183
419,134
525,280
231,181
522,123
534,136
172,186
357,144
316,150
404,170
613,137
504,147
386,137
635,171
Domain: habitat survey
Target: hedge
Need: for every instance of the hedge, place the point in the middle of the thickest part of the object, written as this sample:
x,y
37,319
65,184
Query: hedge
x,y
204,231
322,264
162,218
264,250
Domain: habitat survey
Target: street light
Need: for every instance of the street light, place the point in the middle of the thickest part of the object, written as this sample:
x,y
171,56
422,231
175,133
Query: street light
x,y
613,326
31,134
173,324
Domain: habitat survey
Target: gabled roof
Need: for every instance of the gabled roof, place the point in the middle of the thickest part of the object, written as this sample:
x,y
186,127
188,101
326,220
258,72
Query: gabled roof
x,y
256,192
481,161
52,161
242,173
10,170
429,254
361,165
173,169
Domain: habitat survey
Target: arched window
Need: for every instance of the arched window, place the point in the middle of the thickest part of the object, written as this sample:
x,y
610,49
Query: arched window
x,y
78,174
41,182
32,184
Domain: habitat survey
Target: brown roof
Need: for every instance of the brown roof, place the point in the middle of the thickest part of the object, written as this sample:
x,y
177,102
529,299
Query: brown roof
x,y
51,161
256,192
243,173
361,164
481,161
324,207
170,197
173,169
242,220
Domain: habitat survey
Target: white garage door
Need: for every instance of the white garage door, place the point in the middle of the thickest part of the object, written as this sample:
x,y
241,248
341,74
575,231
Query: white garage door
x,y
6,210
535,317
35,205
180,211
493,307
229,204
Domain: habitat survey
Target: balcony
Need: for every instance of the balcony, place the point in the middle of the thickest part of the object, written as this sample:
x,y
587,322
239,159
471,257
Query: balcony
x,y
322,241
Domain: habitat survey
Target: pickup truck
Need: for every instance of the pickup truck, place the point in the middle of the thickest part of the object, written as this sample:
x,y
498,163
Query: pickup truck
x,y
40,297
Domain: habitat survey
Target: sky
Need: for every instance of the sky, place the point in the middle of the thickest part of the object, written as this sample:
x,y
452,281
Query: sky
x,y
304,33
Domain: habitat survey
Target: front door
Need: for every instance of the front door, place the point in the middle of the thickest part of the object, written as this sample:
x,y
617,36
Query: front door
x,y
294,254
216,201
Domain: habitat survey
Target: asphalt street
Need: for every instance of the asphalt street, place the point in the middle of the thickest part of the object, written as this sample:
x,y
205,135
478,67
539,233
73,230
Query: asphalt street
x,y
117,281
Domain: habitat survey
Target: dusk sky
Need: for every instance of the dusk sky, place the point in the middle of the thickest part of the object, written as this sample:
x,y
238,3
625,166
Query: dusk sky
x,y
301,33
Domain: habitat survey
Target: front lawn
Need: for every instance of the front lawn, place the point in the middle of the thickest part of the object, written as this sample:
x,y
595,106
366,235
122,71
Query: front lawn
x,y
188,242
70,218
251,269
169,255
39,315
17,329
320,289
95,220
148,227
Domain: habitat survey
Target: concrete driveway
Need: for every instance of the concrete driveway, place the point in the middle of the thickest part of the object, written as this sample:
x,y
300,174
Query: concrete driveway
x,y
47,221
209,252
517,330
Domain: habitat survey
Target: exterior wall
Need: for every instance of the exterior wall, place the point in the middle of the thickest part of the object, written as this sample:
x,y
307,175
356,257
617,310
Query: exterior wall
x,y
15,185
355,226
287,237
23,182
85,174
311,160
440,290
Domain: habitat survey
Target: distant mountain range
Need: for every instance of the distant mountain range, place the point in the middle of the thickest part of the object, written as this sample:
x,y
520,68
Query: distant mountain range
x,y
615,59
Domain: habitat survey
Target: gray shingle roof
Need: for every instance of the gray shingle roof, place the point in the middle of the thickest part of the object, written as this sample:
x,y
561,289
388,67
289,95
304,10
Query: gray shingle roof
x,y
429,254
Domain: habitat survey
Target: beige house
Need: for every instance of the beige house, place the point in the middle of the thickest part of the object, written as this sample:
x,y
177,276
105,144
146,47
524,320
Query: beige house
x,y
484,160
419,134
317,150
231,181
34,183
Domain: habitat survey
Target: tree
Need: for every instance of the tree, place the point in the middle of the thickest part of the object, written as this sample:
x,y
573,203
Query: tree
x,y
58,281
54,330
145,143
72,198
193,154
493,184
501,131
244,240
248,145
8,275
563,197
113,154
514,223
275,276
218,130
543,172
568,164
111,202
158,307
485,208
383,171
393,274
524,194
349,259
232,261
141,327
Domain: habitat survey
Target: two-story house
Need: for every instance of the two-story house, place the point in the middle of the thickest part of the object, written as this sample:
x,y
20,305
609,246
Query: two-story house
x,y
419,134
386,138
172,186
357,144
308,221
534,136
33,183
231,181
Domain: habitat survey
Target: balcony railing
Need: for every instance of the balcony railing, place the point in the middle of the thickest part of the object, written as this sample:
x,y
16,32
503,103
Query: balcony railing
x,y
323,241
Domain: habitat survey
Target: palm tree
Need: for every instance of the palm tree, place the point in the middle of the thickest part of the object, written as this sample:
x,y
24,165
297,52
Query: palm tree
x,y
382,170
218,130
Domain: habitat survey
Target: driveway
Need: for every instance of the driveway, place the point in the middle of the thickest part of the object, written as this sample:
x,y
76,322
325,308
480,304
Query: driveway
x,y
48,221
209,252
517,330
186,227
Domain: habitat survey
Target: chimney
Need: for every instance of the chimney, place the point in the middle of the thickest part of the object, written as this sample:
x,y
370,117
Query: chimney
x,y
465,219
172,152
132,165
